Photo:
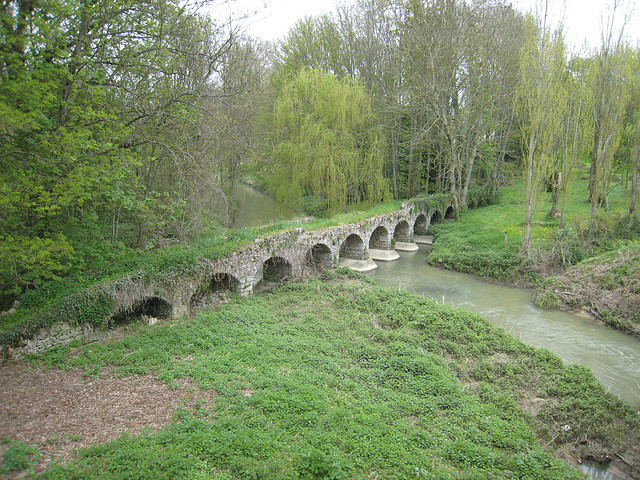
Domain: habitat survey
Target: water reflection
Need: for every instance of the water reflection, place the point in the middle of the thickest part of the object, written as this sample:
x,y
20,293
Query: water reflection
x,y
255,208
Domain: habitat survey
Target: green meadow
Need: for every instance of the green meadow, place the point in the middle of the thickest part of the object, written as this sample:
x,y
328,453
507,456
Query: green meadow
x,y
346,380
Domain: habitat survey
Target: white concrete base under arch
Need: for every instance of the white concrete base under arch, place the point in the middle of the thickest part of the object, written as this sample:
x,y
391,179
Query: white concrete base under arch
x,y
406,247
383,255
423,239
358,265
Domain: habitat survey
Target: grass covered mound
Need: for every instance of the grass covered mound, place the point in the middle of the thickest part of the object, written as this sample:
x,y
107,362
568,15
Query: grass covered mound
x,y
607,286
352,381
476,243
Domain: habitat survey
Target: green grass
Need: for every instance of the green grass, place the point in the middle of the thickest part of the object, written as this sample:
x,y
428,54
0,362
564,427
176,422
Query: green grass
x,y
353,216
476,244
18,457
349,381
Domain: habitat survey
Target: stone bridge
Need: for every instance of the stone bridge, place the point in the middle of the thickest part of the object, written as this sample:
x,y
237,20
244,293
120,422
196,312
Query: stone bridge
x,y
274,258
297,252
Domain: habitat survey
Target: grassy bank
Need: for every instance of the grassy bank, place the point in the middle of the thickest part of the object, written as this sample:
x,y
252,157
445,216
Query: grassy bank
x,y
352,381
607,286
487,242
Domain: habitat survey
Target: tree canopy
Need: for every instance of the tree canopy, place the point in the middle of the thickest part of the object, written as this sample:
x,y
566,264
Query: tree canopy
x,y
328,143
101,113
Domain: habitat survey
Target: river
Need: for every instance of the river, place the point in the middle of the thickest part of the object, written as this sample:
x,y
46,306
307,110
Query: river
x,y
613,357
254,208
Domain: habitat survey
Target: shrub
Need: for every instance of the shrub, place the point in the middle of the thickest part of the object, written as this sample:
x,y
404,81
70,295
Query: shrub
x,y
19,456
548,300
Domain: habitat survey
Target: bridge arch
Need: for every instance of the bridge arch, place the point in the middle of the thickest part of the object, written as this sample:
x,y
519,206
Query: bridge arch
x,y
380,238
320,256
219,283
421,225
449,213
151,306
276,269
352,247
402,232
436,217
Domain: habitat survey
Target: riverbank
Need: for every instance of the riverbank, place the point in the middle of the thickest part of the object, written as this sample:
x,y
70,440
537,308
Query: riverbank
x,y
335,380
607,286
588,274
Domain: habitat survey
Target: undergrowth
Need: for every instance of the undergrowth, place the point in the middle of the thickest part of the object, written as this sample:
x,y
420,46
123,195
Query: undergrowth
x,y
349,381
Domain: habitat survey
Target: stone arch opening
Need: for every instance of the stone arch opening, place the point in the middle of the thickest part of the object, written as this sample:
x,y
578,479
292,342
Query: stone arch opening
x,y
152,307
380,239
319,256
436,217
276,269
352,248
449,214
402,232
420,226
214,290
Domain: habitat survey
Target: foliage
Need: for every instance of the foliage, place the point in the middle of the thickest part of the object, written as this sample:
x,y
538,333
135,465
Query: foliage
x,y
18,456
344,381
327,144
28,262
100,109
540,98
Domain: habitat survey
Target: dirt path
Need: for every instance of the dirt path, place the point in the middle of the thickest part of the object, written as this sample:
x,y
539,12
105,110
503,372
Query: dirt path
x,y
61,411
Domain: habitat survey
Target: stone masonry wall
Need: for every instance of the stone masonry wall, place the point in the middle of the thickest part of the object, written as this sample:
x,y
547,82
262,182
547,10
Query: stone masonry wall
x,y
56,335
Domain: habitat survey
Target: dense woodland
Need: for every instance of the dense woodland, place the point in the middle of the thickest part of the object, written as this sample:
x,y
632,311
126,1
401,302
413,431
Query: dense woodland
x,y
124,124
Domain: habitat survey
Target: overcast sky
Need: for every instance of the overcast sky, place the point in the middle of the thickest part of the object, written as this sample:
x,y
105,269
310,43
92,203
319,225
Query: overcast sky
x,y
271,19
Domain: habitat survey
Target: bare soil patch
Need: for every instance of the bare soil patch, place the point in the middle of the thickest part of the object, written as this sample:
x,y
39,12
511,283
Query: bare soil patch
x,y
61,411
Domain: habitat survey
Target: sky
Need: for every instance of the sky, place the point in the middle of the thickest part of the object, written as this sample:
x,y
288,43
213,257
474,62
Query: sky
x,y
272,19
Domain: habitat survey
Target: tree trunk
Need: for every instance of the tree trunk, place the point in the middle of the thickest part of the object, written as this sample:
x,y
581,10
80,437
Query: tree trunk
x,y
467,179
634,183
555,194
593,171
410,174
394,161
526,242
635,158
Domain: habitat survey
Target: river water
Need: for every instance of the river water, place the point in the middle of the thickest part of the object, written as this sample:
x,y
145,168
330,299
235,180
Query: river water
x,y
613,357
255,208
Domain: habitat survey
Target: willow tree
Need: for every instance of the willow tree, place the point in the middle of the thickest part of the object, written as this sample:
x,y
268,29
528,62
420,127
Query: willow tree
x,y
327,143
610,95
541,104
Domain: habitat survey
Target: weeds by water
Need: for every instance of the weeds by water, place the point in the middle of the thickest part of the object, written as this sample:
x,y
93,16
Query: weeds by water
x,y
351,381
